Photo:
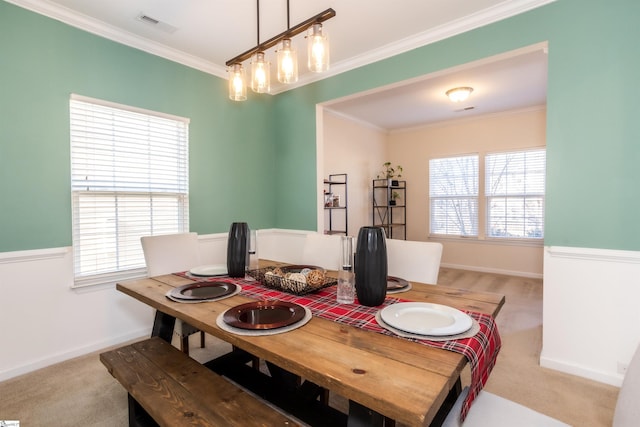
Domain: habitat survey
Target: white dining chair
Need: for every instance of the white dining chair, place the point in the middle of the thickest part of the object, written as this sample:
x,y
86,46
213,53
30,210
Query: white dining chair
x,y
170,253
491,410
627,412
414,261
322,250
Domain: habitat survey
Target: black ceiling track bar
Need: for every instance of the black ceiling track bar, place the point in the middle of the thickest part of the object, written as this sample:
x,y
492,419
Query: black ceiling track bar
x,y
291,32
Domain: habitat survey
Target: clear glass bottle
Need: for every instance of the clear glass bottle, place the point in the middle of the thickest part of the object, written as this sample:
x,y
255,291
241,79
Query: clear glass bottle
x,y
252,243
346,277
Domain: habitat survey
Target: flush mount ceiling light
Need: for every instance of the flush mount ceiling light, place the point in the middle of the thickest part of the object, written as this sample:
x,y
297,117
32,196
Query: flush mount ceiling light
x,y
318,61
459,94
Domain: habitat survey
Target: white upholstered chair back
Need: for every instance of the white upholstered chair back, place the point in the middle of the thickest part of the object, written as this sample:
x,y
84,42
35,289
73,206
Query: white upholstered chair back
x,y
627,413
170,253
322,250
492,410
414,261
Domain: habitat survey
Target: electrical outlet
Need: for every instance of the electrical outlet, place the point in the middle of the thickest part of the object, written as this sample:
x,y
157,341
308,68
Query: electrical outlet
x,y
622,368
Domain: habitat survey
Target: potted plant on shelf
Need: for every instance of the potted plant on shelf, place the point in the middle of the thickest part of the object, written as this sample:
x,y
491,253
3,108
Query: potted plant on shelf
x,y
394,197
389,172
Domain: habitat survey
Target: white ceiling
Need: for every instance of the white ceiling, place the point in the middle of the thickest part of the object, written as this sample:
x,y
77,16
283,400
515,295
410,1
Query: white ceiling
x,y
204,34
512,81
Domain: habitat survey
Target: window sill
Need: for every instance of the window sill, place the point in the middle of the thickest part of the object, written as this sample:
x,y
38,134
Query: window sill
x,y
487,241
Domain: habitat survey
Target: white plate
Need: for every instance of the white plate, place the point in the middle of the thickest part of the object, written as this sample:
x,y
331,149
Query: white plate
x,y
426,319
209,270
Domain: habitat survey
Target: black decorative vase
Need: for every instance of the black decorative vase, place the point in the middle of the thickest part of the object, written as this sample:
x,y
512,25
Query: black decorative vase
x,y
371,266
237,249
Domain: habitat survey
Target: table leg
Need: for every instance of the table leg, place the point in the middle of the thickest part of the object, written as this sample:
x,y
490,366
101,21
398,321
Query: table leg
x,y
361,416
163,326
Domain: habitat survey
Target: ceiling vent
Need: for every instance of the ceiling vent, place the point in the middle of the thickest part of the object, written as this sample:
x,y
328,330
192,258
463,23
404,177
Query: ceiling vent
x,y
463,109
148,19
156,23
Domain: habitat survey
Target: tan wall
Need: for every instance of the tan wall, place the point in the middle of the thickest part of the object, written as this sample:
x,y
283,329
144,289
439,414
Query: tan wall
x,y
413,149
357,150
360,150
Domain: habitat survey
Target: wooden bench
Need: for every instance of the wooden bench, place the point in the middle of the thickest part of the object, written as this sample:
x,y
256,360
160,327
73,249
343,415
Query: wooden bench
x,y
169,388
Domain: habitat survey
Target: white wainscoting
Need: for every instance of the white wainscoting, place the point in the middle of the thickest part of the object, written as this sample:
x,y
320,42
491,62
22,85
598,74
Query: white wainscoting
x,y
591,320
591,316
46,321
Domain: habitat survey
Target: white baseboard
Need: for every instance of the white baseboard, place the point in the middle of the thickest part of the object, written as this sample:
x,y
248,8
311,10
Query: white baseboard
x,y
492,270
581,371
70,354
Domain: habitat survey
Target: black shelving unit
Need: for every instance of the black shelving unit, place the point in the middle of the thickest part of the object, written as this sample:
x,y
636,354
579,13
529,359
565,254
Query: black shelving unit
x,y
390,212
335,204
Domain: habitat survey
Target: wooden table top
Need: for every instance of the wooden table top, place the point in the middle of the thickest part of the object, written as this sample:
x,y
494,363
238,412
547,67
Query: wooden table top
x,y
398,378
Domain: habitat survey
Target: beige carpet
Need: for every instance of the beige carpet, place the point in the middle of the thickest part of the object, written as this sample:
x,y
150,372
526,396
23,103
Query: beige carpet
x,y
80,392
517,375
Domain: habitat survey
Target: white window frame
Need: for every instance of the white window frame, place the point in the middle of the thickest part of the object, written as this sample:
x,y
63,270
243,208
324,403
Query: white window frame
x,y
520,199
483,208
129,178
446,191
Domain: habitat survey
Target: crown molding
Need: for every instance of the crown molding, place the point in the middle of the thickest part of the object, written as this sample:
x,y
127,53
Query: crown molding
x,y
102,29
355,120
453,28
110,32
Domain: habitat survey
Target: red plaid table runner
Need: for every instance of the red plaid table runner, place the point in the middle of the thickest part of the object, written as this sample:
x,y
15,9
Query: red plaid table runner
x,y
481,350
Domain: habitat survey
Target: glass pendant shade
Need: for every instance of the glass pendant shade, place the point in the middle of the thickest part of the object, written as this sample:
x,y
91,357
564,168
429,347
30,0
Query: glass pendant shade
x,y
260,74
317,49
287,63
237,83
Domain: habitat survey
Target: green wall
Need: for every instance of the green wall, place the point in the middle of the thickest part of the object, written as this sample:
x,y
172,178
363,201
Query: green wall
x,y
593,133
256,161
43,61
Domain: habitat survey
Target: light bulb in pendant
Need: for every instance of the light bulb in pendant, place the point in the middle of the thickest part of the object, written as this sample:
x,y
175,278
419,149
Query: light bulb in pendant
x,y
317,49
260,74
237,84
287,63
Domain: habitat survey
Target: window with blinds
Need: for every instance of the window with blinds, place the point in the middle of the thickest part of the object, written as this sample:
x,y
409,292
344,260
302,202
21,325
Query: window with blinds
x,y
453,195
515,191
129,178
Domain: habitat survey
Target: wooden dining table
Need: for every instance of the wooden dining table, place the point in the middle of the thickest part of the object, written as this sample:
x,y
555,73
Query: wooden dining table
x,y
395,378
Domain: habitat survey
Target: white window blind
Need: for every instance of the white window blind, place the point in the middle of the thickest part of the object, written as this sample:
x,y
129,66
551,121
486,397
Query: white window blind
x,y
515,191
453,194
129,178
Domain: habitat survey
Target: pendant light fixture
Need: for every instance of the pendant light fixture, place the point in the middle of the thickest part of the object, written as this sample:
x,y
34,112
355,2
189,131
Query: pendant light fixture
x,y
317,49
260,67
287,63
287,60
237,83
260,74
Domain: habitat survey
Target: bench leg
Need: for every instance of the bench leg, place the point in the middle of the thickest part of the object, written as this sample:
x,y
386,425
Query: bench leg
x,y
361,416
138,417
